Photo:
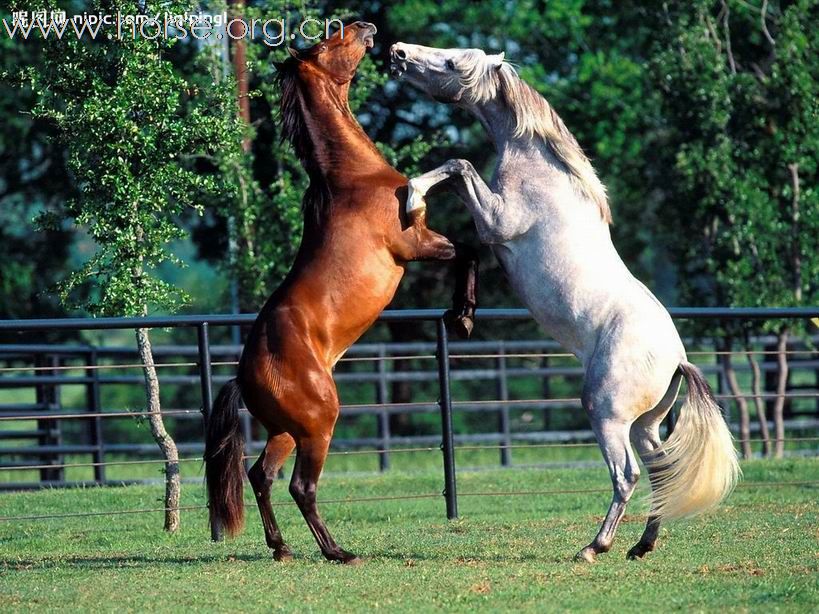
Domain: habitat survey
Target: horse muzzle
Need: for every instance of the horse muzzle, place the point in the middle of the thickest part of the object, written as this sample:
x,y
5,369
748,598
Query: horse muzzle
x,y
398,60
367,33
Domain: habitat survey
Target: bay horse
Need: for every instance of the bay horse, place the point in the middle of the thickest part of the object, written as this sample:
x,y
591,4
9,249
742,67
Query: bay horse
x,y
356,242
546,216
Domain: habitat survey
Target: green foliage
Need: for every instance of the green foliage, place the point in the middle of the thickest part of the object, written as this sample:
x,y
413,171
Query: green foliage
x,y
741,132
133,128
32,176
697,154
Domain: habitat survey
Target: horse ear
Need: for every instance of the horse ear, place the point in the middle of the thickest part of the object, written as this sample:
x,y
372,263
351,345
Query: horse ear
x,y
496,61
293,52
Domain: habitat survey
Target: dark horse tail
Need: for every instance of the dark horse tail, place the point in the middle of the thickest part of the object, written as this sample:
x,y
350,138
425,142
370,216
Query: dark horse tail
x,y
224,471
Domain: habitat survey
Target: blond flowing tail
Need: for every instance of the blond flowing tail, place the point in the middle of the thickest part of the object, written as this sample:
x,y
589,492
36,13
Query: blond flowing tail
x,y
697,466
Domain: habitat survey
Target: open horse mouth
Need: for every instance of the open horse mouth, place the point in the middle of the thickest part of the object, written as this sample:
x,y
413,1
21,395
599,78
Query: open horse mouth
x,y
396,70
367,32
398,61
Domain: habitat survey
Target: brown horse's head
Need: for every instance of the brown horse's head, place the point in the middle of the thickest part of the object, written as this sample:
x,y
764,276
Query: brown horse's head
x,y
338,57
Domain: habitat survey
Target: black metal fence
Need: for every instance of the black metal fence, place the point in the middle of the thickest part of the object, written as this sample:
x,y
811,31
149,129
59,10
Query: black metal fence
x,y
48,369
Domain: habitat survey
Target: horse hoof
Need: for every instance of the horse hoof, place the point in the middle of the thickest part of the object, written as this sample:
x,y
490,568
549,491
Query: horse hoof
x,y
347,558
464,326
283,555
461,325
637,552
587,555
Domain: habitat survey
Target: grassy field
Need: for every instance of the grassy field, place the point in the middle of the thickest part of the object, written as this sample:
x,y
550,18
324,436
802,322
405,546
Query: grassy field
x,y
758,552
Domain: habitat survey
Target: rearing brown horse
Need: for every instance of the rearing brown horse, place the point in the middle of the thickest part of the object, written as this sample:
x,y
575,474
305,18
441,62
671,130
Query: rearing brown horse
x,y
356,243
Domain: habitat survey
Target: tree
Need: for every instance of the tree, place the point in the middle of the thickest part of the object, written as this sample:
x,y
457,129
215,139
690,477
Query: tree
x,y
134,130
740,87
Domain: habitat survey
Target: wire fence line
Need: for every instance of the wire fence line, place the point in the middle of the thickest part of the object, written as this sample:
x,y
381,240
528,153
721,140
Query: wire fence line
x,y
233,363
381,499
385,406
458,448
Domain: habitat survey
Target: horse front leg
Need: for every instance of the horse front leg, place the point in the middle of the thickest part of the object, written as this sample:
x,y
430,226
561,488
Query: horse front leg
x,y
495,220
420,243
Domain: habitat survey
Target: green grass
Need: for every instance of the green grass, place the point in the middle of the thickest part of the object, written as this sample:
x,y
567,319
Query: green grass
x,y
759,551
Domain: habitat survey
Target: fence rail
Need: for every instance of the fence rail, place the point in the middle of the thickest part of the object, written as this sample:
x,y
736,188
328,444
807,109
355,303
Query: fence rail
x,y
56,366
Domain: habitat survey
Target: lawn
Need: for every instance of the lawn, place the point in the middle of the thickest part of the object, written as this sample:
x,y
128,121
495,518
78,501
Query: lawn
x,y
759,551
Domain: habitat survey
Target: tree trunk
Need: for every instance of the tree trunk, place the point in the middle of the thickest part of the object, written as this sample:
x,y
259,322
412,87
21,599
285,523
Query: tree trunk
x,y
759,403
238,53
239,58
163,440
733,386
781,388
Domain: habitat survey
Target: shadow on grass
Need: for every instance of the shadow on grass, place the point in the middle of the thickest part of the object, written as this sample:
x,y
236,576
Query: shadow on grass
x,y
133,560
137,560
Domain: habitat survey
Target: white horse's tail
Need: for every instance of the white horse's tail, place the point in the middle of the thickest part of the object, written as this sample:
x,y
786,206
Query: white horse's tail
x,y
697,465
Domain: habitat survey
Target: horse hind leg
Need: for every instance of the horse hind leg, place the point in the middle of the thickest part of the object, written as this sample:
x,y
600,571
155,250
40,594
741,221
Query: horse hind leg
x,y
311,452
613,437
646,439
645,435
261,476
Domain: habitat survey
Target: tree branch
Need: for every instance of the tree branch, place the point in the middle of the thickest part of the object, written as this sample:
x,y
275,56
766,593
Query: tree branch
x,y
730,376
763,14
726,13
761,414
781,389
796,256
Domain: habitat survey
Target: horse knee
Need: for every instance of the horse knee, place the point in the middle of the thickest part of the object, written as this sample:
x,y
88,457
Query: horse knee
x,y
625,483
297,491
460,166
303,494
259,480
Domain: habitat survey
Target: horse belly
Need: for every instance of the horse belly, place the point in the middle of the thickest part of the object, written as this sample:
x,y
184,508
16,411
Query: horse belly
x,y
541,294
363,293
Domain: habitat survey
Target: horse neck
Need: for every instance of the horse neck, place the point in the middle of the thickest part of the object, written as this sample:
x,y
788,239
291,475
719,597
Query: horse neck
x,y
498,122
340,145
529,153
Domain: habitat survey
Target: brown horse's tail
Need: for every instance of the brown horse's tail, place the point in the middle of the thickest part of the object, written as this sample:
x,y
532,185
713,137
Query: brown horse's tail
x,y
224,471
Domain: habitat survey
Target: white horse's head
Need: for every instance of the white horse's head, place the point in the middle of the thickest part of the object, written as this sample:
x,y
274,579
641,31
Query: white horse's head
x,y
447,75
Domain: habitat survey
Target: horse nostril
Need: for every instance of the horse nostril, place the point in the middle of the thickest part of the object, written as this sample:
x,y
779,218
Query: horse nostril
x,y
365,25
400,54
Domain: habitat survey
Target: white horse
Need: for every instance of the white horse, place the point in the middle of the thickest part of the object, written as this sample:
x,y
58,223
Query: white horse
x,y
546,217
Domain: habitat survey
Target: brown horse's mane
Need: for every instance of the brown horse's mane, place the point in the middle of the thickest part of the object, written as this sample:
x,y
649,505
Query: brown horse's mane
x,y
317,203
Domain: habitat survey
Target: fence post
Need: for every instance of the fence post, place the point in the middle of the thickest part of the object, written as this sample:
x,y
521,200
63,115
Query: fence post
x,y
383,416
503,415
205,375
206,383
547,394
94,406
48,398
448,441
816,378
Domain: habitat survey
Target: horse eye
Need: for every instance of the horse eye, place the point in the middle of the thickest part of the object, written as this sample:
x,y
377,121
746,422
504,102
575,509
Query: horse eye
x,y
450,65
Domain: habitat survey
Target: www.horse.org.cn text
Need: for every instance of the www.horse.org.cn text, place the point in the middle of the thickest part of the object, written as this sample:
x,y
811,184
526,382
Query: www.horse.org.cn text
x,y
273,32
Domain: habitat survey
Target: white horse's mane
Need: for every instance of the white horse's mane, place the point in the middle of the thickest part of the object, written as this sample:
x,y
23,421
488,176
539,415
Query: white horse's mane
x,y
534,117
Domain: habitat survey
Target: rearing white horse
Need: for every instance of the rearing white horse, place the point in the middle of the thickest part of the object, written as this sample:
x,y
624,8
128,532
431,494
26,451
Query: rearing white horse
x,y
546,217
